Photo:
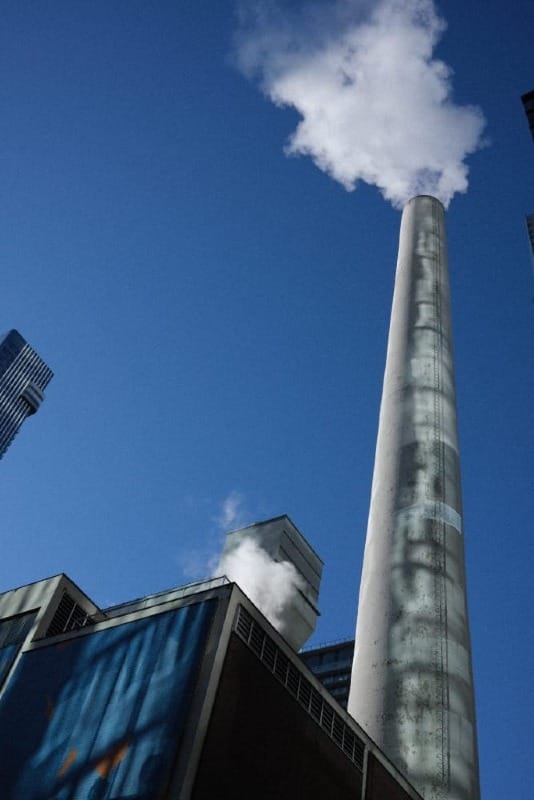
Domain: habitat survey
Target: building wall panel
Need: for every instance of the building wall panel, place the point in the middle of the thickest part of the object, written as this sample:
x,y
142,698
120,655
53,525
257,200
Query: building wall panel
x,y
262,744
101,715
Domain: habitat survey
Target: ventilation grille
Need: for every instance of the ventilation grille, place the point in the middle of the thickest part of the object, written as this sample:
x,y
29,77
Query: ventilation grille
x,y
302,690
69,616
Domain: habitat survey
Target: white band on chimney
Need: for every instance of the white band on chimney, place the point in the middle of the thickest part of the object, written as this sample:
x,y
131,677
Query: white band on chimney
x,y
440,512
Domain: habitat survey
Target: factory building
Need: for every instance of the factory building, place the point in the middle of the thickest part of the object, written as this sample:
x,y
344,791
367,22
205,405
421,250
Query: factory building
x,y
191,692
185,694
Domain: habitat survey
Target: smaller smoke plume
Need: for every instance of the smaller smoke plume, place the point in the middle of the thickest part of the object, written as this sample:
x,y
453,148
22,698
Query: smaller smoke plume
x,y
199,561
375,105
232,513
271,585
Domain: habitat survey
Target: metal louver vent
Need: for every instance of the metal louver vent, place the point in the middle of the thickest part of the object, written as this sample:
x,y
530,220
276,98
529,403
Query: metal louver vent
x,y
302,690
69,616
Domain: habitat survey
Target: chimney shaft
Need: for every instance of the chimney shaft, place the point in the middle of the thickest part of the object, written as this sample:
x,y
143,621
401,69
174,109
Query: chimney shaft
x,y
412,687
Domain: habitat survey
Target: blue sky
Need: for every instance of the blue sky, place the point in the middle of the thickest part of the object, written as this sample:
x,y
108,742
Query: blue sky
x,y
216,316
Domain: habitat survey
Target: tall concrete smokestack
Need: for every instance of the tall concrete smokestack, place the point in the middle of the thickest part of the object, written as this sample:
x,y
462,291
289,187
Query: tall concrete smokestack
x,y
412,686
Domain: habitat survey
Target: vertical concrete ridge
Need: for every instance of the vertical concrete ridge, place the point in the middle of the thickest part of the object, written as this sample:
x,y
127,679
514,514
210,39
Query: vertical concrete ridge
x,y
412,687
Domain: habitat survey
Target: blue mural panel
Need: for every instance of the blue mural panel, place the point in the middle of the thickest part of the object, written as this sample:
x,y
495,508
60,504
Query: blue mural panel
x,y
100,717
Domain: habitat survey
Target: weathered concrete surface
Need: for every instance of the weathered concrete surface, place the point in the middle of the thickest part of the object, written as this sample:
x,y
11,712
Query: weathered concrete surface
x,y
412,688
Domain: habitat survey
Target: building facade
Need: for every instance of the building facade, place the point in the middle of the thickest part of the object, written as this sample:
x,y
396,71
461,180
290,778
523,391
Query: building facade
x,y
23,379
332,664
184,695
530,232
528,104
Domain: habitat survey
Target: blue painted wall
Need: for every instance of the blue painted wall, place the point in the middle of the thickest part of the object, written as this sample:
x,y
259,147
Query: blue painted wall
x,y
100,717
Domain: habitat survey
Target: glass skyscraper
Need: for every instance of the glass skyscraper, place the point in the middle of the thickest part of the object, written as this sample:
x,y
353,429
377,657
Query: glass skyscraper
x,y
528,105
23,379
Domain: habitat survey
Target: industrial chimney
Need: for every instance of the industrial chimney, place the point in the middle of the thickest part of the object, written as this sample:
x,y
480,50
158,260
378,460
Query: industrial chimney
x,y
412,685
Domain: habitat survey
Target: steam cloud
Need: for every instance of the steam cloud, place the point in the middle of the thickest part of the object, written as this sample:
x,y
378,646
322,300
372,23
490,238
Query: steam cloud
x,y
375,105
271,585
232,514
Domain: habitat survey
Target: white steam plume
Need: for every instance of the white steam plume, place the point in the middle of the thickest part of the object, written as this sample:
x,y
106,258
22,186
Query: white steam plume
x,y
271,585
375,105
232,513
